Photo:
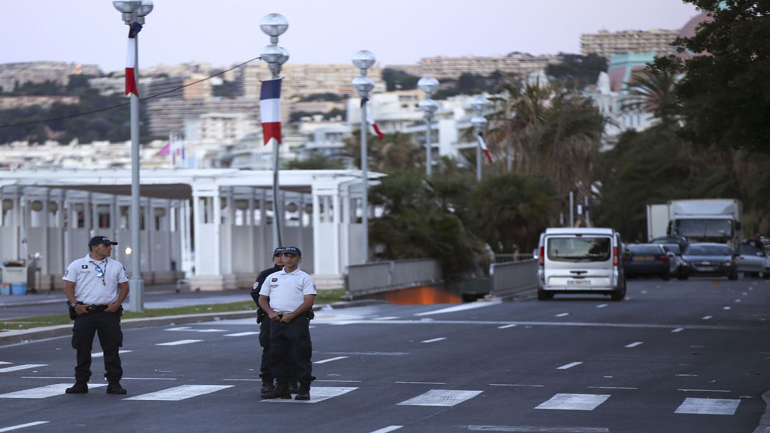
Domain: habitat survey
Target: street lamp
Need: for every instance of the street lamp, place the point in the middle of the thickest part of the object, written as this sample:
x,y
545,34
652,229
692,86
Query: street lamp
x,y
363,60
274,25
479,103
429,107
134,11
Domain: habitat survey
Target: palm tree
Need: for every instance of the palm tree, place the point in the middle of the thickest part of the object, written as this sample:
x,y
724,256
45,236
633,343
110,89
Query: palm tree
x,y
653,91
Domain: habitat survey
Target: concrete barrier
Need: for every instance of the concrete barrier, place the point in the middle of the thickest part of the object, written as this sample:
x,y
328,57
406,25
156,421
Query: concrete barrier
x,y
513,279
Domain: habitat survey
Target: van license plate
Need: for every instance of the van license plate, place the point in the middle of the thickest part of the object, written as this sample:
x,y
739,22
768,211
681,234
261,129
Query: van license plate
x,y
578,282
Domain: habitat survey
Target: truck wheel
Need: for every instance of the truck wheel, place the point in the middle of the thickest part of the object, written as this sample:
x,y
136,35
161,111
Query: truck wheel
x,y
542,295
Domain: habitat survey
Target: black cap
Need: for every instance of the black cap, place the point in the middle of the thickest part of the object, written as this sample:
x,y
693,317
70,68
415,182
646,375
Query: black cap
x,y
98,240
278,251
292,250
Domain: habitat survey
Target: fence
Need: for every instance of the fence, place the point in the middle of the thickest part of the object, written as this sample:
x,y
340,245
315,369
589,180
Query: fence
x,y
505,258
390,275
510,279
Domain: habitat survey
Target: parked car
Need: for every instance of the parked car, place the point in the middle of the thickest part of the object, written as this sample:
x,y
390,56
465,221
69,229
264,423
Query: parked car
x,y
580,260
677,262
647,260
752,261
710,259
679,240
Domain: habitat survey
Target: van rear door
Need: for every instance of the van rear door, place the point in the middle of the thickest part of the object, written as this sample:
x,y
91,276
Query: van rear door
x,y
578,262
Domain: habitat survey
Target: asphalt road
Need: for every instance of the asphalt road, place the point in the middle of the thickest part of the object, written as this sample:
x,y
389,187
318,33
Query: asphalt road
x,y
678,356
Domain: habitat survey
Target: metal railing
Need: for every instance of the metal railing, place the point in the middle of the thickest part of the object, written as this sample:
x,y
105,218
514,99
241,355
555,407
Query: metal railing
x,y
505,258
510,279
391,275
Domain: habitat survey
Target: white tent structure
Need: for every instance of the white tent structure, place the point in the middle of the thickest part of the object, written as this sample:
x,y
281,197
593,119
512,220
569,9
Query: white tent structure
x,y
215,224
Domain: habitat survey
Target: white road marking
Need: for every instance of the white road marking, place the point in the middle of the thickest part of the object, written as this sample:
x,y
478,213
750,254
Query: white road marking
x,y
570,365
505,326
738,300
678,330
178,393
727,308
686,375
181,328
324,361
516,384
562,314
20,367
242,334
644,292
5,362
338,381
148,378
388,429
434,340
101,354
638,343
708,406
461,307
179,342
20,426
611,387
440,397
45,391
242,380
367,353
703,390
189,329
533,429
574,402
317,394
386,318
601,306
423,383
707,317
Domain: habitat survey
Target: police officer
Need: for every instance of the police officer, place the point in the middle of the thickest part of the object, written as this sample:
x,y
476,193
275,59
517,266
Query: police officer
x,y
287,298
96,287
264,321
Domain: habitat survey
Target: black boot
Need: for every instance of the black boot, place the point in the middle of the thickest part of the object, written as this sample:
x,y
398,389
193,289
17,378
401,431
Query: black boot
x,y
281,391
304,391
115,388
267,387
80,387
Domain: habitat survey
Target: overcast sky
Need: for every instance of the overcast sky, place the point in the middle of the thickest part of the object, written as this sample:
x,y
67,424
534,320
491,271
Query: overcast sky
x,y
225,32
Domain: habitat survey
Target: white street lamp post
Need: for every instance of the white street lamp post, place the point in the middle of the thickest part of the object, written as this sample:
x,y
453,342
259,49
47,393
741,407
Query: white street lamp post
x,y
274,25
429,107
135,11
479,122
364,60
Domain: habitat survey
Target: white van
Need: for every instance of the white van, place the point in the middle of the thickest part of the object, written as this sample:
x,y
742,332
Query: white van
x,y
581,260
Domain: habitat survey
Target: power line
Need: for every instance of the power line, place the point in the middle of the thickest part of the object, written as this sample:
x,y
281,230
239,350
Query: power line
x,y
127,103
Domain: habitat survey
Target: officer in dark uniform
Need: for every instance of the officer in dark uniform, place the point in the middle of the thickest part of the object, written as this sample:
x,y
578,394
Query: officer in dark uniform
x,y
264,321
96,287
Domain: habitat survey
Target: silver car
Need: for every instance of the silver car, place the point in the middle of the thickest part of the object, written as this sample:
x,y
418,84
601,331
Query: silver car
x,y
752,261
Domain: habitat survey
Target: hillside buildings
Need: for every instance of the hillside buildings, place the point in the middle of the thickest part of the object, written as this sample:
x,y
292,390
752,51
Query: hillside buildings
x,y
608,44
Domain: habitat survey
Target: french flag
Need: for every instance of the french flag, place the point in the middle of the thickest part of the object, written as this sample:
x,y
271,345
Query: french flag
x,y
484,146
270,109
134,30
370,119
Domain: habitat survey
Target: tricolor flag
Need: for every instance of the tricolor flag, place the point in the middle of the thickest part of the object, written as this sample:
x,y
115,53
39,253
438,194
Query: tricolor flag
x,y
370,119
484,146
134,30
270,109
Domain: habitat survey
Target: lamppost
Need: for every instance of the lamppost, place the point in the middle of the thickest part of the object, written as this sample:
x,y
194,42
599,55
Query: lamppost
x,y
479,122
364,60
428,106
134,11
274,25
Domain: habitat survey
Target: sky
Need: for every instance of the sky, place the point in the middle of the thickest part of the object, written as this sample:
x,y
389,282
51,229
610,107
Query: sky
x,y
226,32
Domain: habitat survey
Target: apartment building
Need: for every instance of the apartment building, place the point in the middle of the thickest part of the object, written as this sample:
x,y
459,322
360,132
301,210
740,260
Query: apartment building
x,y
12,74
608,44
304,80
444,67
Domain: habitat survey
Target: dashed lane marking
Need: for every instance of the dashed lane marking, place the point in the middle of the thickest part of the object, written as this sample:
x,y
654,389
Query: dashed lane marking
x,y
434,340
179,342
570,365
638,343
727,308
366,353
20,367
686,375
422,383
516,384
45,391
5,362
440,397
562,314
461,307
20,426
677,330
179,393
506,326
612,387
388,429
386,318
708,317
708,406
574,402
318,394
242,334
601,306
703,390
324,361
101,354
533,429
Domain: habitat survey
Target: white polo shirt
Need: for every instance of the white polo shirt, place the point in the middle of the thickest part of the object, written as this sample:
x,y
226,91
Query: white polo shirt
x,y
92,289
287,290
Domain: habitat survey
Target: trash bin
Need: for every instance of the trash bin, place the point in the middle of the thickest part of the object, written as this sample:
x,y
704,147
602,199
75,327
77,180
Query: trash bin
x,y
5,289
18,289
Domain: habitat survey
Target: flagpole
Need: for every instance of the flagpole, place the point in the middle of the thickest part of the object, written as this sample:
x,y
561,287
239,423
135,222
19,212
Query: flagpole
x,y
428,106
479,103
364,60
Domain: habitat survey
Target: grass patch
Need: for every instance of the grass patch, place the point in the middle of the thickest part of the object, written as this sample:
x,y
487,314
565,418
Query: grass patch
x,y
323,297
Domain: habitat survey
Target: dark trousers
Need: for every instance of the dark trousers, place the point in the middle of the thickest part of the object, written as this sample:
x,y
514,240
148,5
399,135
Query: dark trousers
x,y
107,326
264,341
290,346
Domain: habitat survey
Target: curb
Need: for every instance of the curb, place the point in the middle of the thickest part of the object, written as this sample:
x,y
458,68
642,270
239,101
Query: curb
x,y
764,422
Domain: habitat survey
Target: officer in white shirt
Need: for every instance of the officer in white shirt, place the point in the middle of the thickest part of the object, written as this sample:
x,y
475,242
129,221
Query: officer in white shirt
x,y
287,298
96,287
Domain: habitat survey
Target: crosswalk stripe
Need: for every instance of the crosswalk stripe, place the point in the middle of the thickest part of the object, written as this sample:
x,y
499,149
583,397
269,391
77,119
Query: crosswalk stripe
x,y
20,426
440,397
318,394
45,391
242,334
20,367
178,393
574,402
708,406
179,342
101,354
324,361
